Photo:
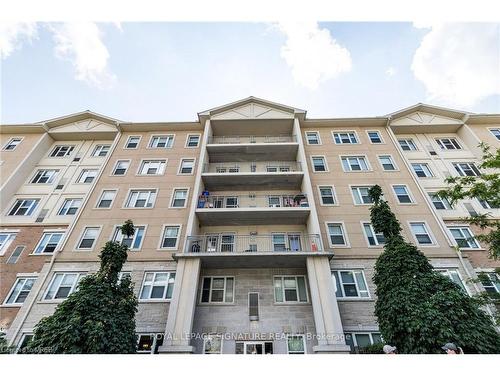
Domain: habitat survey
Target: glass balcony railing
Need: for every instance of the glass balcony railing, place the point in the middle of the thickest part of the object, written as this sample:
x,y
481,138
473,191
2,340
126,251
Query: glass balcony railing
x,y
252,201
270,243
237,139
253,167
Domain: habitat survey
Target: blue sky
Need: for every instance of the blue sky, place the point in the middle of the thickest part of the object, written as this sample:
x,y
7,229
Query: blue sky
x,y
171,71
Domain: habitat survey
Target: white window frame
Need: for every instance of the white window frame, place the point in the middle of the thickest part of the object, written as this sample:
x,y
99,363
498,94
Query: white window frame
x,y
373,234
425,168
84,174
410,143
393,163
355,340
9,143
71,206
462,229
161,167
13,258
364,159
334,195
32,207
325,163
193,135
13,288
493,283
155,336
288,336
166,284
180,173
379,135
73,287
115,167
492,132
98,149
285,302
68,152
128,199
11,236
446,204
117,236
460,171
318,137
344,234
408,193
82,235
209,337
101,196
341,283
173,197
452,140
151,140
50,234
49,181
224,295
428,232
356,188
125,146
448,273
349,133
162,237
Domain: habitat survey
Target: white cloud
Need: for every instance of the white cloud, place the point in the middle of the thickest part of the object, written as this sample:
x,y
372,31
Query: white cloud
x,y
459,63
81,44
312,54
391,71
14,34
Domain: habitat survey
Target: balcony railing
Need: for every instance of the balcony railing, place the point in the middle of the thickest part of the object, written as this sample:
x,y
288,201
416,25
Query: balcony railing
x,y
237,139
278,243
253,167
252,200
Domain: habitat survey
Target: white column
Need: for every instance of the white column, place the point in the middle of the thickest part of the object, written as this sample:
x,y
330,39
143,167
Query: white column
x,y
182,306
325,308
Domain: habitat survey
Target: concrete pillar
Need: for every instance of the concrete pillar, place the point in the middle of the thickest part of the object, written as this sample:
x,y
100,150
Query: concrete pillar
x,y
182,306
325,309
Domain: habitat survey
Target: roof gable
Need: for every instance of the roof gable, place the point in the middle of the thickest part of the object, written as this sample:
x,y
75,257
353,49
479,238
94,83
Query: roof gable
x,y
424,118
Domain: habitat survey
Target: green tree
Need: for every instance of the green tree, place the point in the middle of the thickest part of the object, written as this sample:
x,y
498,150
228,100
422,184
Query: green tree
x,y
97,318
419,310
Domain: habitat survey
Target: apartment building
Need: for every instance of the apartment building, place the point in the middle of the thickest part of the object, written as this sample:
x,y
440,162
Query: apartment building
x,y
253,231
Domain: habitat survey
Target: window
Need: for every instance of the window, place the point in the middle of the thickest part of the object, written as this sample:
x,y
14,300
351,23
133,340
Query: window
x,y
496,133
44,176
487,205
319,164
141,199
121,167
25,340
61,151
253,306
290,289
491,283
170,237
14,257
407,144
133,141
466,169
402,194
421,233
152,167
62,285
179,198
345,138
253,347
187,166
464,237
327,195
101,150
336,234
313,138
87,176
89,236
157,286
439,203
296,344
70,206
20,290
135,242
48,243
149,343
422,169
374,136
193,140
350,284
106,199
448,144
454,276
161,141
360,194
354,163
212,344
23,207
5,241
387,163
374,239
360,340
217,290
12,144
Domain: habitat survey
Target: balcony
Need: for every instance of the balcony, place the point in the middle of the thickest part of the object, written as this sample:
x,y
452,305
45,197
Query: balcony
x,y
251,209
260,175
247,251
252,148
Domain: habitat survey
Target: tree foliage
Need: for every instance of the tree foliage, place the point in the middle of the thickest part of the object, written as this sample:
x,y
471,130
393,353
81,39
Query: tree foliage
x,y
419,310
97,318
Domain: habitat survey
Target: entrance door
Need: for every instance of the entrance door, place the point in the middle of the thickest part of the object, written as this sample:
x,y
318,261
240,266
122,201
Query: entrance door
x,y
254,347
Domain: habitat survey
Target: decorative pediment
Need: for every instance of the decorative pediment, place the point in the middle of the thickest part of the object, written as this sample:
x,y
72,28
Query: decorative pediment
x,y
252,111
89,125
424,118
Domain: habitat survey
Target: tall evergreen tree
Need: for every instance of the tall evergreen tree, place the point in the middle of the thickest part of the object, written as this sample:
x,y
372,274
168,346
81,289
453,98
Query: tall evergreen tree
x,y
418,309
97,318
